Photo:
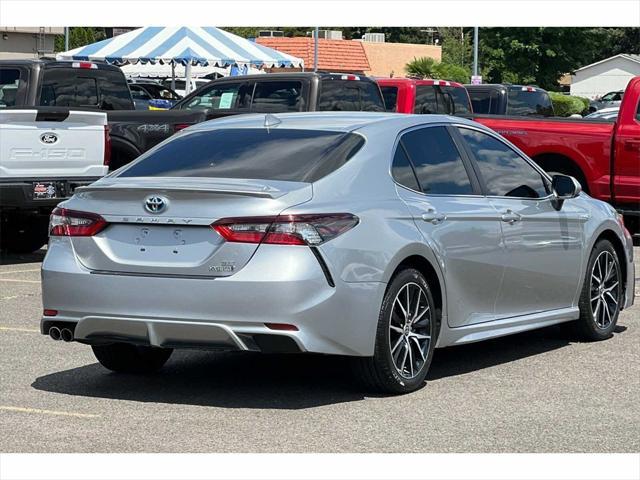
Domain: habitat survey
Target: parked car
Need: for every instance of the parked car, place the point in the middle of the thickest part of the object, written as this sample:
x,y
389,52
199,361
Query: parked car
x,y
376,236
92,85
515,100
609,113
611,99
285,92
143,92
44,156
406,95
604,156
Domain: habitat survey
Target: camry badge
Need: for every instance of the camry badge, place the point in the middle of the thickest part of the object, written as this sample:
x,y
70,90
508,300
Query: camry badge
x,y
155,204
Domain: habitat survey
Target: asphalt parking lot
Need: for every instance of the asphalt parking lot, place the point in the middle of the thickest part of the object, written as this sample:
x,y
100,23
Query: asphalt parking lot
x,y
535,392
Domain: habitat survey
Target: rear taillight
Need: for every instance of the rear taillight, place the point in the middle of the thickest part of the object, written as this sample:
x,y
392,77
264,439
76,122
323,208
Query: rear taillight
x,y
107,146
70,223
309,230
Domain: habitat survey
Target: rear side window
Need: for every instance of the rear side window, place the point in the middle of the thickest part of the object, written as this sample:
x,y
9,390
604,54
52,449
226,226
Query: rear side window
x,y
485,101
250,153
638,112
402,170
522,101
390,95
350,95
284,96
445,100
9,83
71,87
225,96
437,161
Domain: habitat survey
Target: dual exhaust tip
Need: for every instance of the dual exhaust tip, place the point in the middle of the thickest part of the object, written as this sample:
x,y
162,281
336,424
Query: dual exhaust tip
x,y
61,334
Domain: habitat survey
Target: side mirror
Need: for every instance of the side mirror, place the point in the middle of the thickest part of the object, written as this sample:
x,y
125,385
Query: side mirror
x,y
564,188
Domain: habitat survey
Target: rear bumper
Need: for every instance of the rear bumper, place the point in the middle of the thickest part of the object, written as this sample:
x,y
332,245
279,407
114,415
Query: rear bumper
x,y
280,284
17,193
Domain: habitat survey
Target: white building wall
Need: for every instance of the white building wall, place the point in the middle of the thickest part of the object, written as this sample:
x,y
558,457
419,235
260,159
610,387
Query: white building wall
x,y
604,77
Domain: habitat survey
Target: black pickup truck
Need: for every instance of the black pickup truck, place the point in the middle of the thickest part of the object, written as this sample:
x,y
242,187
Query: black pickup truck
x,y
507,99
95,85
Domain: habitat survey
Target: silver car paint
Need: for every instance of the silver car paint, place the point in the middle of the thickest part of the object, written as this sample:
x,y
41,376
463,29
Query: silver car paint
x,y
157,299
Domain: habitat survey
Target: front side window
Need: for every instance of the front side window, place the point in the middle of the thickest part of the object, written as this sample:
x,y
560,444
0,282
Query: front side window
x,y
437,161
9,84
390,95
249,153
283,96
226,96
505,173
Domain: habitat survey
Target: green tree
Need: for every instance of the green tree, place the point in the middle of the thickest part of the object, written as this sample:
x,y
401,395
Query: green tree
x,y
425,67
79,37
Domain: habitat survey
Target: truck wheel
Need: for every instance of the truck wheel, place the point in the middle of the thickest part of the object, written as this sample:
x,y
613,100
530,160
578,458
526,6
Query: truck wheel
x,y
127,358
24,235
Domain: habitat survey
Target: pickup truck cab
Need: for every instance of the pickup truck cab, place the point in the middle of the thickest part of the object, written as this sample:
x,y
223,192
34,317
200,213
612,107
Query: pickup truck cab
x,y
603,155
285,92
407,95
45,154
91,85
522,100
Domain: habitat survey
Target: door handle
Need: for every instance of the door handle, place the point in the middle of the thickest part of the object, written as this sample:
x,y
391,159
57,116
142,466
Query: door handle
x,y
510,217
433,217
631,145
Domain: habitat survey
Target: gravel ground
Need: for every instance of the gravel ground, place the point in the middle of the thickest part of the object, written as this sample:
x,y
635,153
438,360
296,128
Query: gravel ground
x,y
534,392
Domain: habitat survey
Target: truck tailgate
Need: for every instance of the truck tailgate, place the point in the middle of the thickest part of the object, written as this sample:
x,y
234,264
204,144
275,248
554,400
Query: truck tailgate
x,y
52,144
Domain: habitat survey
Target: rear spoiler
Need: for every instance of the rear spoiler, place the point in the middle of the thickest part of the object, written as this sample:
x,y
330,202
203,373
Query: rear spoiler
x,y
52,114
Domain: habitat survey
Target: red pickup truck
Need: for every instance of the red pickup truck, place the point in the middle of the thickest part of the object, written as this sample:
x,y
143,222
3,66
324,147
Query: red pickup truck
x,y
603,155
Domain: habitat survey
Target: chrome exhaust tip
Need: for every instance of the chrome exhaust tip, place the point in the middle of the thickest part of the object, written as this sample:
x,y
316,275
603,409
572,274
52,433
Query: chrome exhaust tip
x,y
66,335
54,333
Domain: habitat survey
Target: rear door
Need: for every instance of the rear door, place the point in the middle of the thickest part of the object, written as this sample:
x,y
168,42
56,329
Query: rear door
x,y
626,184
543,246
460,225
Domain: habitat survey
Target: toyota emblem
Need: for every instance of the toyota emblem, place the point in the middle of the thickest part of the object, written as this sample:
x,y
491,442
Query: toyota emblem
x,y
155,204
48,138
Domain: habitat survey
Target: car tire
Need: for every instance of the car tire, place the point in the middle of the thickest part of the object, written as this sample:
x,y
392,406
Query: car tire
x,y
126,358
404,344
601,294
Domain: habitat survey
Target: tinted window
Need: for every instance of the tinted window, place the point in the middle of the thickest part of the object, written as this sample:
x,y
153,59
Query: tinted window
x,y
437,161
485,101
71,87
277,97
390,95
349,95
251,153
138,93
402,170
158,91
441,99
505,173
9,83
522,101
225,96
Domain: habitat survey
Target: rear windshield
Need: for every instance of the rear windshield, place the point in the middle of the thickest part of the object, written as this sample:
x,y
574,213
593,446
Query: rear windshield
x,y
74,87
522,101
350,96
9,83
250,153
441,99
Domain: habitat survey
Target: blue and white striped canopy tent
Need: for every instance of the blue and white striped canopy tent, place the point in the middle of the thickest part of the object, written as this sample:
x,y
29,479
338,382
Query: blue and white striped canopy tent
x,y
182,46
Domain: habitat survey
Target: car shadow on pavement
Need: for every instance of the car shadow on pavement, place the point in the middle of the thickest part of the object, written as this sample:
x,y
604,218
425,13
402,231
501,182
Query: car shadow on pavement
x,y
7,258
249,380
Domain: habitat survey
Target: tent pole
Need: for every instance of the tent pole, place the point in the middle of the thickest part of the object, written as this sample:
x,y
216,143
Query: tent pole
x,y
187,74
173,74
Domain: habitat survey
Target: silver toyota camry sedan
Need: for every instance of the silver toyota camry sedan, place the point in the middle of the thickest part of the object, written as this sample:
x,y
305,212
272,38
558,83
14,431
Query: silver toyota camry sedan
x,y
375,236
